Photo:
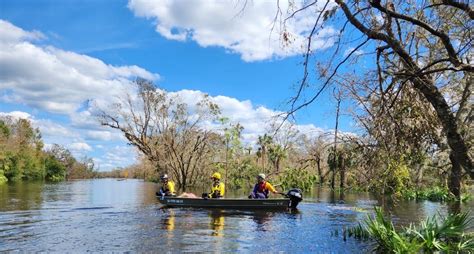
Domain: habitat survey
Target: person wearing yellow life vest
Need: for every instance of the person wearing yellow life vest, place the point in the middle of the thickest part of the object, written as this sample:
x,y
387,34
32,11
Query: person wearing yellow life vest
x,y
262,188
167,186
217,188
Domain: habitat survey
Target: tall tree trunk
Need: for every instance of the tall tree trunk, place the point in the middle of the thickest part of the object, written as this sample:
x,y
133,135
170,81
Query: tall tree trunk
x,y
424,85
226,163
342,171
183,182
320,173
458,147
419,175
455,177
336,161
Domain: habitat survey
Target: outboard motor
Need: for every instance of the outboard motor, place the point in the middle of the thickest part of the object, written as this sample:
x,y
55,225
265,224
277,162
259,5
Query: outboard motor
x,y
295,196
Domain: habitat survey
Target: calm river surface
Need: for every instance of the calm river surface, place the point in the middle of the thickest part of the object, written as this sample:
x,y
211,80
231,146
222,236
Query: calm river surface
x,y
111,215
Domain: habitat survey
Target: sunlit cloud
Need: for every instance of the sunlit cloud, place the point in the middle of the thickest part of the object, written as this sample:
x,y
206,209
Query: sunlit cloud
x,y
247,28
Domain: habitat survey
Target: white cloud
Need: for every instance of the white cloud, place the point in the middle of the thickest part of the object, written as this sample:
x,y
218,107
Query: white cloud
x,y
117,156
55,80
16,115
51,130
256,120
10,33
79,147
58,81
242,27
103,135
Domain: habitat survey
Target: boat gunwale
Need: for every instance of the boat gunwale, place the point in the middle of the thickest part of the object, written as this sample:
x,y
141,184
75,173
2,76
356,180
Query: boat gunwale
x,y
224,203
226,199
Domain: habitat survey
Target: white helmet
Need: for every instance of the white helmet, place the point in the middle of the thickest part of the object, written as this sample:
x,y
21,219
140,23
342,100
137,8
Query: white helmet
x,y
261,176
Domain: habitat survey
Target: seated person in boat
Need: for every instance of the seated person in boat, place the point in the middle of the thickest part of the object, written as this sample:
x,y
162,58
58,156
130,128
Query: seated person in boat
x,y
167,186
262,188
217,188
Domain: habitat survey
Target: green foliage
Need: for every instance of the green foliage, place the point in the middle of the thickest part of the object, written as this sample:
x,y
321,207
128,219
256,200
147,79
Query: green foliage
x,y
432,235
3,178
4,130
55,171
33,165
436,194
242,175
22,156
433,194
297,178
393,180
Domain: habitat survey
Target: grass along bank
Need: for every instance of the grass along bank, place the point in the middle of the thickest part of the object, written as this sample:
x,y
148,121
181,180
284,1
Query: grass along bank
x,y
435,234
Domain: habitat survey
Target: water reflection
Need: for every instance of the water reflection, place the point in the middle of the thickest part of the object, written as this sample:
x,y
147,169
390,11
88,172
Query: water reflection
x,y
217,223
168,220
119,216
21,196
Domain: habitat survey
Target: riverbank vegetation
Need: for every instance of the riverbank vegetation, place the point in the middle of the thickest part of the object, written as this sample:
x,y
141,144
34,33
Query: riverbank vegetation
x,y
436,234
23,156
411,107
189,142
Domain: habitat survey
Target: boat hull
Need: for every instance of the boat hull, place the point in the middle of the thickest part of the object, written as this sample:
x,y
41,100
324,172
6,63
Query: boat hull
x,y
224,203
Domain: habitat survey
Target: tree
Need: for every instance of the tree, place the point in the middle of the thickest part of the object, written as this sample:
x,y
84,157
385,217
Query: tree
x,y
264,142
167,131
64,157
21,156
232,142
276,154
315,150
420,45
55,170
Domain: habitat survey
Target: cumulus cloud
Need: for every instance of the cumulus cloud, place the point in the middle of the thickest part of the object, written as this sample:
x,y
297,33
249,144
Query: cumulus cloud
x,y
16,115
11,33
256,120
104,135
79,147
243,27
56,80
117,156
55,130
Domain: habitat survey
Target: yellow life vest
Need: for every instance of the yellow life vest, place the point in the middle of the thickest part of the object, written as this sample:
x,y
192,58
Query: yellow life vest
x,y
168,188
217,190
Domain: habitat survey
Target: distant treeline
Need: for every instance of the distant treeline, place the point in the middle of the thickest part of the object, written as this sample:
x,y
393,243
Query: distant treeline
x,y
23,157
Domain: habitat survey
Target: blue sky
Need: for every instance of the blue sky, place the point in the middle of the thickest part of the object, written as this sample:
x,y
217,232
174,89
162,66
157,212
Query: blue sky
x,y
59,54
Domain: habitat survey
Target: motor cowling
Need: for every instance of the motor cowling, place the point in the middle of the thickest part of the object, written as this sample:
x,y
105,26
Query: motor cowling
x,y
295,196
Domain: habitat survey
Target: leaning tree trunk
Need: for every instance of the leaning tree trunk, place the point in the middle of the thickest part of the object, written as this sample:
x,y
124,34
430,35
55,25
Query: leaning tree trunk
x,y
455,177
424,85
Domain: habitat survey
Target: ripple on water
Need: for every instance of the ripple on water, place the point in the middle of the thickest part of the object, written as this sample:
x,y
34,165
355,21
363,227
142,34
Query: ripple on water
x,y
119,216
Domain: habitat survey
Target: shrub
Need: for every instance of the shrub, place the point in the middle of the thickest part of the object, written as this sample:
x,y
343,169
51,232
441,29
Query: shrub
x,y
432,235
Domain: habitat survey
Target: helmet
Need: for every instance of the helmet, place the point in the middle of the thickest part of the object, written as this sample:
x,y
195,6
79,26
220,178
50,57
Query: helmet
x,y
216,175
261,176
164,177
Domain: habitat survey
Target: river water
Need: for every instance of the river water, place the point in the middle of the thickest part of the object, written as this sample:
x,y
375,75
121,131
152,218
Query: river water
x,y
105,215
